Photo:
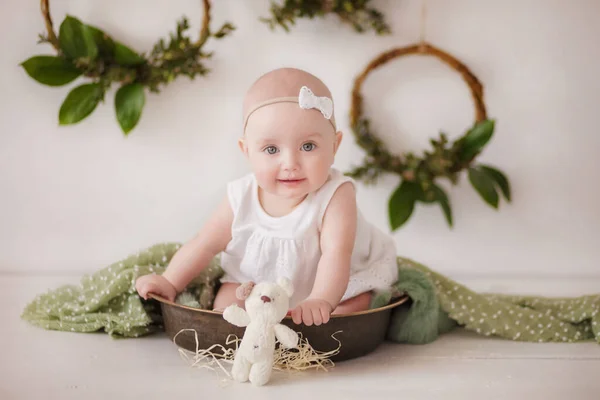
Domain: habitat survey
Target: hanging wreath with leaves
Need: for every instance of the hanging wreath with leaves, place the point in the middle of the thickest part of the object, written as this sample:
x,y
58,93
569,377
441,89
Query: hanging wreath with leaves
x,y
419,174
356,13
84,50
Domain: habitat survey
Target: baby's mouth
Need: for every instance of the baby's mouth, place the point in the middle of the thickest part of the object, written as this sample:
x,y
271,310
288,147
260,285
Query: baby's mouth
x,y
291,180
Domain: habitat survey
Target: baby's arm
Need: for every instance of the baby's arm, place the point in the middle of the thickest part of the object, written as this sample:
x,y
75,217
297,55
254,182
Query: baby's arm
x,y
196,254
193,256
338,233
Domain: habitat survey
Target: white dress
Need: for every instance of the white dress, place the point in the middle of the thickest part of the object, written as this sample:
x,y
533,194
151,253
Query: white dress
x,y
264,247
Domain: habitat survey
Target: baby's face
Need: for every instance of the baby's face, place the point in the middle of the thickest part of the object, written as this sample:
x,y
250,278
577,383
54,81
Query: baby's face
x,y
290,149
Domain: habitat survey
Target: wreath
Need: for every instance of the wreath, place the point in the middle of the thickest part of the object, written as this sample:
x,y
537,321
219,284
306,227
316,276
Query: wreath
x,y
85,50
419,174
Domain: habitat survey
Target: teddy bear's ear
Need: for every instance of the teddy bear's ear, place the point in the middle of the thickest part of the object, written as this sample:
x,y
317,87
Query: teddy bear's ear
x,y
287,286
244,290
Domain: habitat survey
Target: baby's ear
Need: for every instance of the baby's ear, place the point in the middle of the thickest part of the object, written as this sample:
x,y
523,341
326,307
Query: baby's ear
x,y
286,285
338,140
244,290
242,146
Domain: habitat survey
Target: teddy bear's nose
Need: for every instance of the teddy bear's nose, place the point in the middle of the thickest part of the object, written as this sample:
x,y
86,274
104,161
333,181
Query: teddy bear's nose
x,y
265,299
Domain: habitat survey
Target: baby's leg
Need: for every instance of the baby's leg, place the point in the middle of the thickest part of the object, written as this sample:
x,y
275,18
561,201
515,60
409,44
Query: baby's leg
x,y
354,304
226,296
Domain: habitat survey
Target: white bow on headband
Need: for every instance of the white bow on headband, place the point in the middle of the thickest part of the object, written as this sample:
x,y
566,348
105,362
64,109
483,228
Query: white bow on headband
x,y
308,100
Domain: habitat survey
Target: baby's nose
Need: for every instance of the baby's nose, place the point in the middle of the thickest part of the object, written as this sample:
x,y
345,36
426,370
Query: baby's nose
x,y
290,162
265,299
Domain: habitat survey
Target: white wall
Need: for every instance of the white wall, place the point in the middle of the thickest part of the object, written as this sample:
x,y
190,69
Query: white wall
x,y
76,198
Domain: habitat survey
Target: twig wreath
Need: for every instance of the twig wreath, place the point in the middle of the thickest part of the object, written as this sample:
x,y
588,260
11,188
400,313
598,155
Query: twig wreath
x,y
84,50
447,160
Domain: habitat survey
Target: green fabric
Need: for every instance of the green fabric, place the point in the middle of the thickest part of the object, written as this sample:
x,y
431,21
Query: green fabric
x,y
439,304
422,319
107,300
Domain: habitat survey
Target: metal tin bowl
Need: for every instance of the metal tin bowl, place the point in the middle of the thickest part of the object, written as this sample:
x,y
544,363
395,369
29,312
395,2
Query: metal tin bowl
x,y
359,333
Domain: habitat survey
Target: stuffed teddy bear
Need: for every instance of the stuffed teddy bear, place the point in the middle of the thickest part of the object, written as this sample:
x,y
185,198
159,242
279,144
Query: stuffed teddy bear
x,y
266,305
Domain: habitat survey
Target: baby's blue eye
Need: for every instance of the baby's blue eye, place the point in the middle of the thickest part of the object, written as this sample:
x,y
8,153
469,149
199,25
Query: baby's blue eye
x,y
271,149
308,146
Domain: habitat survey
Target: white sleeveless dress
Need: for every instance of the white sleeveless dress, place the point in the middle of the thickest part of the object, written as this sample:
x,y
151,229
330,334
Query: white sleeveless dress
x,y
264,247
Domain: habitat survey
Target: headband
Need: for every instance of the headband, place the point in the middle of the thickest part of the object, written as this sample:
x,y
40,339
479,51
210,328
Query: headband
x,y
306,99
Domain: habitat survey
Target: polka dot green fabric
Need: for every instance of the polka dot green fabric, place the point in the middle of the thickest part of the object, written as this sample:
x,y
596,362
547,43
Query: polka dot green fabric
x,y
521,318
108,300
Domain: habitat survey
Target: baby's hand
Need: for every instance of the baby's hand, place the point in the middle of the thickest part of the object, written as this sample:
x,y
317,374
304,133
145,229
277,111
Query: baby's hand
x,y
311,311
156,284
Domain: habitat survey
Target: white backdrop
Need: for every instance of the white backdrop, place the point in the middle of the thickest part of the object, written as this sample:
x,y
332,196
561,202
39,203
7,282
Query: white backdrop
x,y
77,198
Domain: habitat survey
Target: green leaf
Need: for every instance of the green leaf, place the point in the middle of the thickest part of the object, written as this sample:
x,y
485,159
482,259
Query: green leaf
x,y
106,46
112,49
484,185
442,198
51,70
402,203
129,102
76,39
80,103
426,197
226,29
500,179
125,56
475,139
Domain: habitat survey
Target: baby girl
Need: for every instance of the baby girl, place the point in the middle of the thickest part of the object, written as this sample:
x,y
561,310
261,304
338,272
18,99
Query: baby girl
x,y
294,215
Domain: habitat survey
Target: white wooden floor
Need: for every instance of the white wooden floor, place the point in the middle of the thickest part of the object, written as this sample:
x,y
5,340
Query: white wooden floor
x,y
36,364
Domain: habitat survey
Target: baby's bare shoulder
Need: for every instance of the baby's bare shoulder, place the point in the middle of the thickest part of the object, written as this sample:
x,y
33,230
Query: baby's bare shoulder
x,y
339,221
344,199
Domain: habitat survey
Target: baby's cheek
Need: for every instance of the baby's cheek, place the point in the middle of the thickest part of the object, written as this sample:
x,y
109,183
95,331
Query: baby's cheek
x,y
265,174
262,169
320,169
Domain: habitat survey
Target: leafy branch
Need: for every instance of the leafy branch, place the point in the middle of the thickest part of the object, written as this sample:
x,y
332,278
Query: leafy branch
x,y
86,51
420,174
353,12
